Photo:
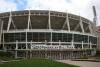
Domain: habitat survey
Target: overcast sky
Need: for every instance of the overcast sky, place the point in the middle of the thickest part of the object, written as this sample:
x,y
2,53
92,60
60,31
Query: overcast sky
x,y
78,7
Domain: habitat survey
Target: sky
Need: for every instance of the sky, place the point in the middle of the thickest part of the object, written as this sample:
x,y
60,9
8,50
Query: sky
x,y
77,7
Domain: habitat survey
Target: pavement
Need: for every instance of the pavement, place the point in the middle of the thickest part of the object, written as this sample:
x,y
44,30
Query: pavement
x,y
1,61
81,63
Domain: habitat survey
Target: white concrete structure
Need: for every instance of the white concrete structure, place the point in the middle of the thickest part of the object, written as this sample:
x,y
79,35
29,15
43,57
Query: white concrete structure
x,y
47,34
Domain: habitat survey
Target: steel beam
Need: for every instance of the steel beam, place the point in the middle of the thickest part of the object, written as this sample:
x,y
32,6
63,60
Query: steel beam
x,y
81,24
90,28
1,30
49,19
66,22
29,20
9,22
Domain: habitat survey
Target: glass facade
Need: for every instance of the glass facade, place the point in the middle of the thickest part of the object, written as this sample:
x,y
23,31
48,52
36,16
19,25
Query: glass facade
x,y
42,36
13,37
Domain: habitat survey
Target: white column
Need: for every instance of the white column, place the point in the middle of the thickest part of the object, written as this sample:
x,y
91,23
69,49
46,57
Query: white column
x,y
82,45
60,55
31,45
72,43
51,37
59,44
16,44
46,44
16,54
49,20
16,49
46,48
90,45
60,48
3,42
1,31
51,43
31,49
88,42
26,40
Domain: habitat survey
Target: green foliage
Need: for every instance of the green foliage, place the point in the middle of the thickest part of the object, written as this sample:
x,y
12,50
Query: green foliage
x,y
36,63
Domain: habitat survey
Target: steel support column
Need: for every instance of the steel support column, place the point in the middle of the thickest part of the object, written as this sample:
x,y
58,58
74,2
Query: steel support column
x,y
29,20
66,22
1,30
81,24
9,22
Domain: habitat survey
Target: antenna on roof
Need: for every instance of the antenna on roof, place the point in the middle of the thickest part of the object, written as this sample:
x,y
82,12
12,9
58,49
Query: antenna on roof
x,y
95,15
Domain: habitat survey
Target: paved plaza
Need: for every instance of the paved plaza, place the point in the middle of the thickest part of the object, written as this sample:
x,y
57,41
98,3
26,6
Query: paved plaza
x,y
81,63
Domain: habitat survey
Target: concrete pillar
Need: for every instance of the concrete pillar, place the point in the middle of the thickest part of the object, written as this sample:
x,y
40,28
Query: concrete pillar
x,y
60,55
16,44
4,48
72,43
51,38
82,45
16,49
26,41
16,55
59,44
30,54
1,30
26,54
45,48
30,50
31,45
90,45
49,19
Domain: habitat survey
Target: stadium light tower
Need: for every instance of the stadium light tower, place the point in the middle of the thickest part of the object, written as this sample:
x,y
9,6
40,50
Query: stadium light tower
x,y
95,15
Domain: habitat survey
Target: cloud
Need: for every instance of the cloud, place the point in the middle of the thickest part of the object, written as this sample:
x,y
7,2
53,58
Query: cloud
x,y
5,6
20,4
72,6
57,5
78,7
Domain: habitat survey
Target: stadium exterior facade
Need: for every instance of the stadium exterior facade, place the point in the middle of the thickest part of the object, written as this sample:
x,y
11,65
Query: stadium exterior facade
x,y
47,34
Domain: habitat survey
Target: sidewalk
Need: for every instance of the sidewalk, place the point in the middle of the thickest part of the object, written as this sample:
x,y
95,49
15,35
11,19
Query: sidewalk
x,y
81,63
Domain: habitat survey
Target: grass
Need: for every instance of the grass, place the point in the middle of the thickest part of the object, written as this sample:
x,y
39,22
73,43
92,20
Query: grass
x,y
36,63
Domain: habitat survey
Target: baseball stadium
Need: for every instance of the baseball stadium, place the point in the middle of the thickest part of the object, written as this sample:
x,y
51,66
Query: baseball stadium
x,y
47,34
